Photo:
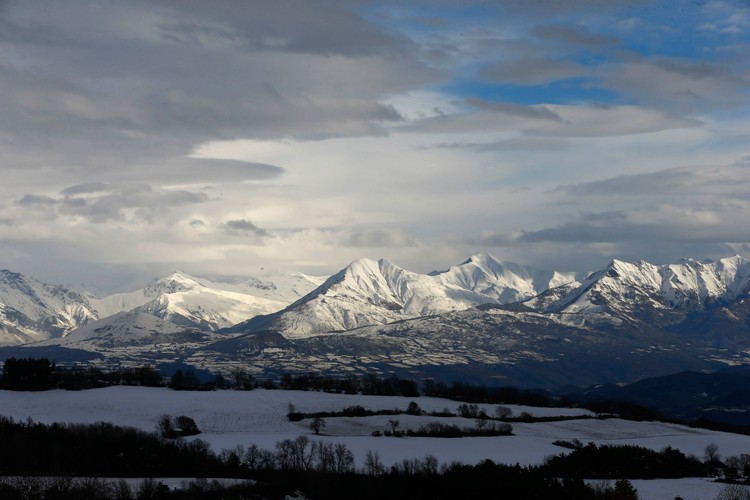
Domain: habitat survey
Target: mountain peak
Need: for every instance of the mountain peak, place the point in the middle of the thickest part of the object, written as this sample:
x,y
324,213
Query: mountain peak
x,y
173,283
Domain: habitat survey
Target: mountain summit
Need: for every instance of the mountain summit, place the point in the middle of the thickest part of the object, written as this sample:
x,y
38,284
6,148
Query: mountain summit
x,y
369,292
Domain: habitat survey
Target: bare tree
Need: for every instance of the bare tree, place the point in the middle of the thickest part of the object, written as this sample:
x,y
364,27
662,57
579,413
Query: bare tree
x,y
344,459
711,453
502,412
394,424
325,456
252,457
164,426
373,465
317,424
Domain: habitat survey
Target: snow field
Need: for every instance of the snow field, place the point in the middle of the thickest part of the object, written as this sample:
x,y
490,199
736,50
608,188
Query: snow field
x,y
232,418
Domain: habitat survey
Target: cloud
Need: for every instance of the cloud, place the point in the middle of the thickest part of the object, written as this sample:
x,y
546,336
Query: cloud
x,y
578,35
307,133
533,112
86,188
143,83
525,144
725,181
681,85
36,200
387,238
101,203
324,28
243,227
532,71
714,222
553,120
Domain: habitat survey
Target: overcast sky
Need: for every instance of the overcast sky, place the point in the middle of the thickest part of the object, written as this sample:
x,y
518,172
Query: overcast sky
x,y
222,137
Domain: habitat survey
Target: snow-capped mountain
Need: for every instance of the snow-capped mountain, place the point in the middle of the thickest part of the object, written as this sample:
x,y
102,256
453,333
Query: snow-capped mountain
x,y
183,300
369,292
481,318
505,282
643,293
31,310
125,330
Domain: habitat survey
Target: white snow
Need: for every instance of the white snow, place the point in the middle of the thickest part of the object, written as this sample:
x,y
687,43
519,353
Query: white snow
x,y
622,288
369,292
232,418
691,488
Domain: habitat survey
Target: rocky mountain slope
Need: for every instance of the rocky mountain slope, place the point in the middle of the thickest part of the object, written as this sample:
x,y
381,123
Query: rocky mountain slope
x,y
645,295
623,323
369,292
33,311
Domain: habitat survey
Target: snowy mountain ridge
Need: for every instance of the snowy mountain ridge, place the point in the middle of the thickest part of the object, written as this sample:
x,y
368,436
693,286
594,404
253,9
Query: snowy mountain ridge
x,y
638,291
369,292
481,318
32,311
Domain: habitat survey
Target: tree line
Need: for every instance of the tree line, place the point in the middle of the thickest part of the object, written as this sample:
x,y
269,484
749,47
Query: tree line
x,y
319,469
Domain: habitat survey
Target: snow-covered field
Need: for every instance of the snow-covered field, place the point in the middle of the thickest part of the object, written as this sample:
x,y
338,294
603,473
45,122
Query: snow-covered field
x,y
693,488
232,418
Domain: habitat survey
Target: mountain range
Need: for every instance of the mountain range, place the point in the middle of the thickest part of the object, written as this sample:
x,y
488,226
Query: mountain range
x,y
482,319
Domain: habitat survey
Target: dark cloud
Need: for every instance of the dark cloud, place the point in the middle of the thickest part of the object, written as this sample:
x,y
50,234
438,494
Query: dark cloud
x,y
143,83
322,27
593,228
728,182
35,199
102,203
89,187
243,227
711,224
680,85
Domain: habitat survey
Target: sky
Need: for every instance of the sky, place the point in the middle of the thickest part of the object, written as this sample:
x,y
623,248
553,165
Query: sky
x,y
233,137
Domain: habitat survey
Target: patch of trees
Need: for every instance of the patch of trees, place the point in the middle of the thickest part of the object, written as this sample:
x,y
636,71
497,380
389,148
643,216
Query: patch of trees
x,y
628,411
29,374
441,430
186,380
424,478
31,448
369,384
317,469
174,427
95,488
630,461
460,391
350,411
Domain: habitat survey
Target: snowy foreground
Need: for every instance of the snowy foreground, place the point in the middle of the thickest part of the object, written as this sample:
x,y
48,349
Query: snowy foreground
x,y
232,418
